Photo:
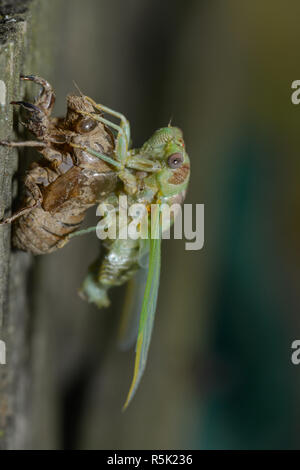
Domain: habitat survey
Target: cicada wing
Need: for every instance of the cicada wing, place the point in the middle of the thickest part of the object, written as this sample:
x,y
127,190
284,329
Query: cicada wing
x,y
129,324
148,307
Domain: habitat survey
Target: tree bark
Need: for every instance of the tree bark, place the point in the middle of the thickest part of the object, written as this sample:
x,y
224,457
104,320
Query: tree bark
x,y
25,47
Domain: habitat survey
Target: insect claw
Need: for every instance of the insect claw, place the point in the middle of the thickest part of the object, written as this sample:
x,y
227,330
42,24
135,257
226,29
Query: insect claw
x,y
46,98
4,222
40,81
27,77
30,107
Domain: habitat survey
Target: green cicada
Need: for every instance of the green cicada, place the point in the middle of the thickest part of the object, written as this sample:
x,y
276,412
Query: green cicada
x,y
153,175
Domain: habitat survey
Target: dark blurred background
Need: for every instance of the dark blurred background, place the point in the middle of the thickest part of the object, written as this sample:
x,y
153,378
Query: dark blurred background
x,y
219,373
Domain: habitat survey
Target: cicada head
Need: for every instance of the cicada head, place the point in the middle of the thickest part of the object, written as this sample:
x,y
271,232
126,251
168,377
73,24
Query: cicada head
x,y
75,120
167,146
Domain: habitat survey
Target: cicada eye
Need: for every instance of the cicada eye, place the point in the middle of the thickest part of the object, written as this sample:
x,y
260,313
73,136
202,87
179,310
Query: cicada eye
x,y
86,125
175,160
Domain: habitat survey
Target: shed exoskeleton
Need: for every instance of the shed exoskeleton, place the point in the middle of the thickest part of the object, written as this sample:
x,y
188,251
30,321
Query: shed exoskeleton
x,y
67,181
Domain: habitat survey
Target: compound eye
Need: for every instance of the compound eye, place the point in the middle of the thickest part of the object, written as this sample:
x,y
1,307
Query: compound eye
x,y
175,160
86,125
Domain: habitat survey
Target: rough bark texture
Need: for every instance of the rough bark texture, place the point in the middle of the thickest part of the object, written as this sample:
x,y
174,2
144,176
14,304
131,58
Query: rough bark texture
x,y
24,47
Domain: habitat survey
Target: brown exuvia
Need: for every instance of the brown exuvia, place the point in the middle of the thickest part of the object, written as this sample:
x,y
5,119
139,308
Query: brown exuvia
x,y
67,181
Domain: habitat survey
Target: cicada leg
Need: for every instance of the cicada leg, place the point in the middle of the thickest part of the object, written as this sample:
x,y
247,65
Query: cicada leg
x,y
39,112
19,213
105,158
82,232
121,148
46,99
94,292
77,233
124,121
122,152
28,143
129,180
36,177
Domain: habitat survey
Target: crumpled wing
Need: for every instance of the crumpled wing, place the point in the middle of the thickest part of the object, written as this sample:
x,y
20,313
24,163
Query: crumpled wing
x,y
129,324
148,307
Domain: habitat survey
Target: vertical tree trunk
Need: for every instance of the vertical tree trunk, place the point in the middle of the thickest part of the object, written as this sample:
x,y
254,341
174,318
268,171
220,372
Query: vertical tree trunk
x,y
25,47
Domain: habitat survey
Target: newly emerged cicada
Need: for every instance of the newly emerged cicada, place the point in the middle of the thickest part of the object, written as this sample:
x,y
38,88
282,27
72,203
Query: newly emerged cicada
x,y
88,164
153,175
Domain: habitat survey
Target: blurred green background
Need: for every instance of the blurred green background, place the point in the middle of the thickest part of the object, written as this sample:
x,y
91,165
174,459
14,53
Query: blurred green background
x,y
219,374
